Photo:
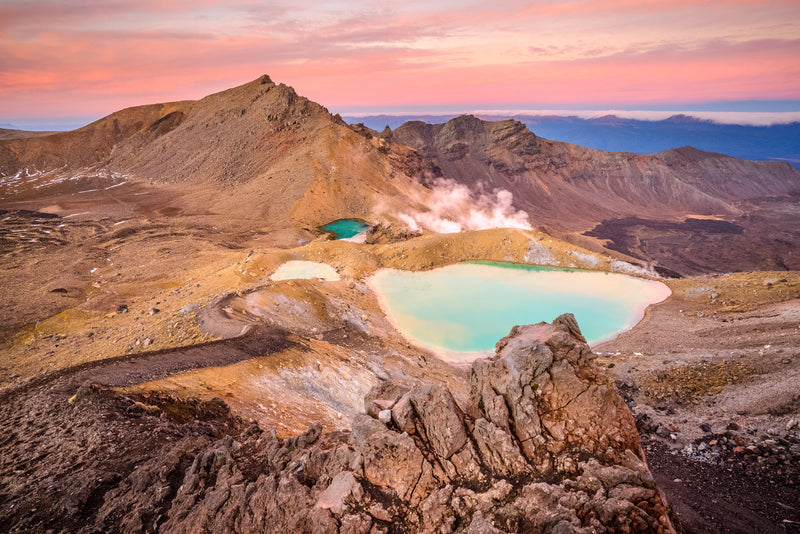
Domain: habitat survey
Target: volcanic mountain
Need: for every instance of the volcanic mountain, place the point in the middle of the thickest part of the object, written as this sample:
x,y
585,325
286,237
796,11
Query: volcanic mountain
x,y
547,176
266,158
651,206
157,376
258,151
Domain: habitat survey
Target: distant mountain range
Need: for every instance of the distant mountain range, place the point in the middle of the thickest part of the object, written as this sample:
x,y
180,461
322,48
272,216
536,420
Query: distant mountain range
x,y
612,133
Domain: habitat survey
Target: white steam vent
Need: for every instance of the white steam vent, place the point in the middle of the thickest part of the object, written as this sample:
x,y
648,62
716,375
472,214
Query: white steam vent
x,y
452,208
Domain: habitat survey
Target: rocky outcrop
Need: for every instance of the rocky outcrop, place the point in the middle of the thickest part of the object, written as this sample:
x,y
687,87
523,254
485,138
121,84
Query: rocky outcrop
x,y
544,445
382,234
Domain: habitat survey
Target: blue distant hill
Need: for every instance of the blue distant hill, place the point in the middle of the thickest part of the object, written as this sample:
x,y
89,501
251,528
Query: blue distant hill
x,y
776,142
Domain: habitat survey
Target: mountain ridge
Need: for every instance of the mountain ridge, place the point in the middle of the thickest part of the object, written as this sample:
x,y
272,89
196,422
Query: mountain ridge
x,y
267,154
613,133
499,153
259,139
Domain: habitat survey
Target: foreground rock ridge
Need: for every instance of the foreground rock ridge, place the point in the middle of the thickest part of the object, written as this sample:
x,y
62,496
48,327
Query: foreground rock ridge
x,y
544,445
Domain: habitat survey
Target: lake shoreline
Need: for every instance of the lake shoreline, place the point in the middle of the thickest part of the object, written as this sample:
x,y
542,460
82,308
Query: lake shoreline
x,y
424,329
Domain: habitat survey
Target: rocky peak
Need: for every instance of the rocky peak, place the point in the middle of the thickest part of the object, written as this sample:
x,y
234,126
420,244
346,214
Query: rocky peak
x,y
416,134
464,127
543,391
162,141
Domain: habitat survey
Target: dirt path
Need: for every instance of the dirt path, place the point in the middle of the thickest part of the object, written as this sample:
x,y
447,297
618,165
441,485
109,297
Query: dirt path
x,y
135,368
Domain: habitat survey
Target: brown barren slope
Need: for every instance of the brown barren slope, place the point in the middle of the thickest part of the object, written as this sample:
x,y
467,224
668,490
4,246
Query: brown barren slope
x,y
574,189
258,151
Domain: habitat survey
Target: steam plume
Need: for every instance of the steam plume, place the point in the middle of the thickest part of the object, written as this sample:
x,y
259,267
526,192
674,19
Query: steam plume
x,y
452,207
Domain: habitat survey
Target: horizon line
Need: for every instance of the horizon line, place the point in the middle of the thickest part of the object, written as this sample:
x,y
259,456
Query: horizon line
x,y
742,118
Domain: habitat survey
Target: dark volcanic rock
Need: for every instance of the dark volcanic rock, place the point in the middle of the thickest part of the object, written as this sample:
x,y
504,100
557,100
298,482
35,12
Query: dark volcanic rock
x,y
385,233
545,446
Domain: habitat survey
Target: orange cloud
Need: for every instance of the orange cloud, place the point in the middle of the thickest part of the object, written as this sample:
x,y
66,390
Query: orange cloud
x,y
95,57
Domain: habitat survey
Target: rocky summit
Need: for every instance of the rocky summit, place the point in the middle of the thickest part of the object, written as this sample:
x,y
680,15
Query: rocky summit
x,y
545,444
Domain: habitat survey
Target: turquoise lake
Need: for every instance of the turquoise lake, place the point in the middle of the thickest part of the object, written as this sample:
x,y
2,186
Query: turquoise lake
x,y
461,311
346,228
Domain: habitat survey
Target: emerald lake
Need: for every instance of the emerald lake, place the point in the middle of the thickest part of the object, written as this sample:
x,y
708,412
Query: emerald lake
x,y
346,228
462,310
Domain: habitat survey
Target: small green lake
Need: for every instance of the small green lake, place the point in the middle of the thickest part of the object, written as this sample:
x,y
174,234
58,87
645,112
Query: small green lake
x,y
346,228
462,310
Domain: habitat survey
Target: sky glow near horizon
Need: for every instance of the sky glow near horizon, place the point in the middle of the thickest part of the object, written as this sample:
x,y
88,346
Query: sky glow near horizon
x,y
88,59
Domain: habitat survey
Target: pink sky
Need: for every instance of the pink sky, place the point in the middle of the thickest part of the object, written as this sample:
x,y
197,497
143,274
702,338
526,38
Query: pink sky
x,y
87,59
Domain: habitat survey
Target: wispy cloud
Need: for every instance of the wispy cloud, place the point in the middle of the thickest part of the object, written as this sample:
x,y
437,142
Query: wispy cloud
x,y
59,58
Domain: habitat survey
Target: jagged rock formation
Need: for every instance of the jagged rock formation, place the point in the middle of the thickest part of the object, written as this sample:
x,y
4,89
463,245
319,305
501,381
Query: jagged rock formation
x,y
545,445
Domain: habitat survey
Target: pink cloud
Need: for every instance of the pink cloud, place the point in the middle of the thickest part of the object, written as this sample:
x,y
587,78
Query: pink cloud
x,y
716,71
97,57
